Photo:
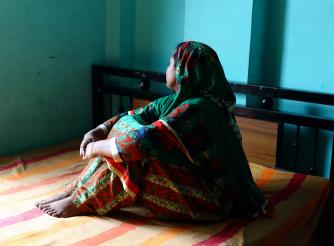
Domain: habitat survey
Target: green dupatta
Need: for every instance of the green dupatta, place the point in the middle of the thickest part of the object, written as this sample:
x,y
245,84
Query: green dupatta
x,y
194,128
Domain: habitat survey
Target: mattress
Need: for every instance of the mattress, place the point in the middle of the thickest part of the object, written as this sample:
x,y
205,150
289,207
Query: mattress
x,y
26,178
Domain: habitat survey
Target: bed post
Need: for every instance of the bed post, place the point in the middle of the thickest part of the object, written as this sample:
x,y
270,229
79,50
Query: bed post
x,y
279,143
97,96
331,177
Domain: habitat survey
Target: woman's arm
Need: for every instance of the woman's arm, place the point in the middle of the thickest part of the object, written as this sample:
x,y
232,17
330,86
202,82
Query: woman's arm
x,y
98,133
142,119
154,140
148,113
138,141
108,124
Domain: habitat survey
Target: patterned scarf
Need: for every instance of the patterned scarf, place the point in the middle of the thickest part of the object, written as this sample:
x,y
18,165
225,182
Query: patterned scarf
x,y
200,73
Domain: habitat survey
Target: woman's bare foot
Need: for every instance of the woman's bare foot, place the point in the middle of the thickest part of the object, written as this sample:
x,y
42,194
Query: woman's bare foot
x,y
53,199
63,208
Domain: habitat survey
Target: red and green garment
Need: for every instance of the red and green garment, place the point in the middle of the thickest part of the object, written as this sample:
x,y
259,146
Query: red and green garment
x,y
180,156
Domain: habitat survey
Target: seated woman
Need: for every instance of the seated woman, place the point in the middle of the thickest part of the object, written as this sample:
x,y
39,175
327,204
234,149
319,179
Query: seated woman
x,y
180,156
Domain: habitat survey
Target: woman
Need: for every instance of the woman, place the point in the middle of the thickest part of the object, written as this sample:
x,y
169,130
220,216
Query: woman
x,y
180,156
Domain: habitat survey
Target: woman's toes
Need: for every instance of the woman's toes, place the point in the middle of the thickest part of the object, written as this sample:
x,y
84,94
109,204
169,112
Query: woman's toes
x,y
47,210
40,203
43,206
51,211
55,214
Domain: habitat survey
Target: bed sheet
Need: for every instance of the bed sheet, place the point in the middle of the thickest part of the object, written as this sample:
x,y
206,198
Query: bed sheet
x,y
26,178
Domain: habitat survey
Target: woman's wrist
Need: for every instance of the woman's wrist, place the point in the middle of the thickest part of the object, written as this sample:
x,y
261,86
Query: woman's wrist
x,y
102,147
104,128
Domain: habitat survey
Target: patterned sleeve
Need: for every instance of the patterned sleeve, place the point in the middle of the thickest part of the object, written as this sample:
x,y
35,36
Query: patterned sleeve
x,y
148,113
112,121
131,140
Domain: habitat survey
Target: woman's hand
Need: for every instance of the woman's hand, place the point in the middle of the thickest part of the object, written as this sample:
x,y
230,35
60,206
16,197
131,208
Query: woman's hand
x,y
101,147
90,137
89,152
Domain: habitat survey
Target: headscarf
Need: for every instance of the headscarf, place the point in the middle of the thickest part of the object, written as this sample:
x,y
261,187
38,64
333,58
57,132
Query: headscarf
x,y
200,73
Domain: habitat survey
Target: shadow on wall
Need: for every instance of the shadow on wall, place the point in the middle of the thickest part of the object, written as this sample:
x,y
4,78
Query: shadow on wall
x,y
267,44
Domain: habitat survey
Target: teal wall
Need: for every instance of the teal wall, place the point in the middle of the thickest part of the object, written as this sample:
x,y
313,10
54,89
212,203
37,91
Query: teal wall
x,y
226,27
46,50
160,31
307,60
142,34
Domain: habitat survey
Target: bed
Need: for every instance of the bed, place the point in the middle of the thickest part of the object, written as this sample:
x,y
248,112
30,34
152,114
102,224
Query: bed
x,y
302,201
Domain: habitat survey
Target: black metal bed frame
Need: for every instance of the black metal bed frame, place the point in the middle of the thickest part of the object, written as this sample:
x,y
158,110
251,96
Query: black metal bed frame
x,y
265,113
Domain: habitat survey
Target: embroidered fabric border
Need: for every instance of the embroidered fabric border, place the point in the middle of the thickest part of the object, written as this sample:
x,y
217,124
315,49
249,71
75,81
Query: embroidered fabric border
x,y
114,150
184,149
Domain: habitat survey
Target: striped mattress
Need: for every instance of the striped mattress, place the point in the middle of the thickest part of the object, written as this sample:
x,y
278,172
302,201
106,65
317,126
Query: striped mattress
x,y
26,178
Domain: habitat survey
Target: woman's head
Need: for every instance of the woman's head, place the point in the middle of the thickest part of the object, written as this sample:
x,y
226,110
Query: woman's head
x,y
195,68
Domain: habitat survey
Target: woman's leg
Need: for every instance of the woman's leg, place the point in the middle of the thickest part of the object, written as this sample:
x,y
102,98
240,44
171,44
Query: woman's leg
x,y
176,193
98,191
68,189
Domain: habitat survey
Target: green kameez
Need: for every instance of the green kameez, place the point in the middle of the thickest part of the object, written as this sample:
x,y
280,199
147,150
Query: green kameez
x,y
181,155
